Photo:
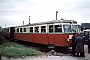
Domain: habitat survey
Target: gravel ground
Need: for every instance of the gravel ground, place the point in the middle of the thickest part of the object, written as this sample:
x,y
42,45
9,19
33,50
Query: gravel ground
x,y
44,57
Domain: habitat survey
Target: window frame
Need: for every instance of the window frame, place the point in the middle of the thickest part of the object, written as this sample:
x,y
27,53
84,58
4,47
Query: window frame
x,y
70,31
61,31
76,28
52,28
36,29
31,30
24,30
43,28
17,30
21,30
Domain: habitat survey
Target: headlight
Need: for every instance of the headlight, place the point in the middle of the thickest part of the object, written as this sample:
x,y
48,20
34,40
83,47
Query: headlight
x,y
67,39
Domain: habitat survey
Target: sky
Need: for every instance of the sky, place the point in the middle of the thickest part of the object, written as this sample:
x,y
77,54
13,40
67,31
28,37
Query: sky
x,y
14,12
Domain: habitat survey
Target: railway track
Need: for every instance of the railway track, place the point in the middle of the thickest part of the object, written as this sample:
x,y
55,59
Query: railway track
x,y
43,48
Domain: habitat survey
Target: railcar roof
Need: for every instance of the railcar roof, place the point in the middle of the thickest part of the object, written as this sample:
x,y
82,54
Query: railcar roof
x,y
49,22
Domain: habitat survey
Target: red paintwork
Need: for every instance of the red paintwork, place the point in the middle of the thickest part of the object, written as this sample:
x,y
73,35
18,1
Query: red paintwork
x,y
59,39
37,38
56,39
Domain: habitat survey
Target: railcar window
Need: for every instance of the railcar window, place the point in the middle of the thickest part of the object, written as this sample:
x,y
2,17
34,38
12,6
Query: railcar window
x,y
37,29
17,29
6,30
24,29
74,28
43,29
50,28
31,29
20,29
58,28
67,28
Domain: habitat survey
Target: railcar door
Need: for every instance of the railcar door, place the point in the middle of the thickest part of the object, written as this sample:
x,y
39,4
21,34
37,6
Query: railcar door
x,y
50,35
12,33
55,31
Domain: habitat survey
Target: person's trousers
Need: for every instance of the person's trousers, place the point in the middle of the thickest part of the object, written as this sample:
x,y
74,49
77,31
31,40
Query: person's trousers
x,y
81,54
73,49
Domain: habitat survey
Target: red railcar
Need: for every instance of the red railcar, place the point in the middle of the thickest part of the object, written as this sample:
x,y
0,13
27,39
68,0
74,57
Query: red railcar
x,y
51,33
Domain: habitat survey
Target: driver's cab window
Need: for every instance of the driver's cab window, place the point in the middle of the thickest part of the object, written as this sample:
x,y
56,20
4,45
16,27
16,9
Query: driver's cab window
x,y
67,28
74,28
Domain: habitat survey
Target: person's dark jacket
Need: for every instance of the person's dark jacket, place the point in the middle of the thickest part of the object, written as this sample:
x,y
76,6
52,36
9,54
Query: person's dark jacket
x,y
79,44
73,40
88,43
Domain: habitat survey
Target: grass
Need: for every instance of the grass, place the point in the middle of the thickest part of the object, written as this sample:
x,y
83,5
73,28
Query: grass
x,y
12,49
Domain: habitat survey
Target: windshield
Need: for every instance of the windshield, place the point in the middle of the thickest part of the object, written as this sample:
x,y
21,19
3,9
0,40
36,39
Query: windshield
x,y
70,28
74,28
67,28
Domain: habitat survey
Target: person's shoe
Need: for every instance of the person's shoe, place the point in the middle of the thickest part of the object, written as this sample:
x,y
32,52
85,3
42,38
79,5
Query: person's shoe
x,y
74,55
77,56
82,56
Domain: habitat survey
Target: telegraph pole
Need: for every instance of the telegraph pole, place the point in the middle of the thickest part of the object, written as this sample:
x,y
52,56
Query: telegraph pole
x,y
5,25
56,14
23,22
29,19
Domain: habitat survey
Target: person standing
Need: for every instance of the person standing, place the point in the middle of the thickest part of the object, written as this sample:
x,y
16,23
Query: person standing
x,y
89,44
80,45
83,53
73,44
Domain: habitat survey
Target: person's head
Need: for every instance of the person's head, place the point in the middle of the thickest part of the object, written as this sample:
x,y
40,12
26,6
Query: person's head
x,y
81,34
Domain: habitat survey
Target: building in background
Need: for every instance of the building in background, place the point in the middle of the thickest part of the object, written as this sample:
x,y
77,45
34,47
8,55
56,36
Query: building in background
x,y
85,26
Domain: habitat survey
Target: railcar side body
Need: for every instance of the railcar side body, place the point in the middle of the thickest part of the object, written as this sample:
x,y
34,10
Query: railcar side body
x,y
56,33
